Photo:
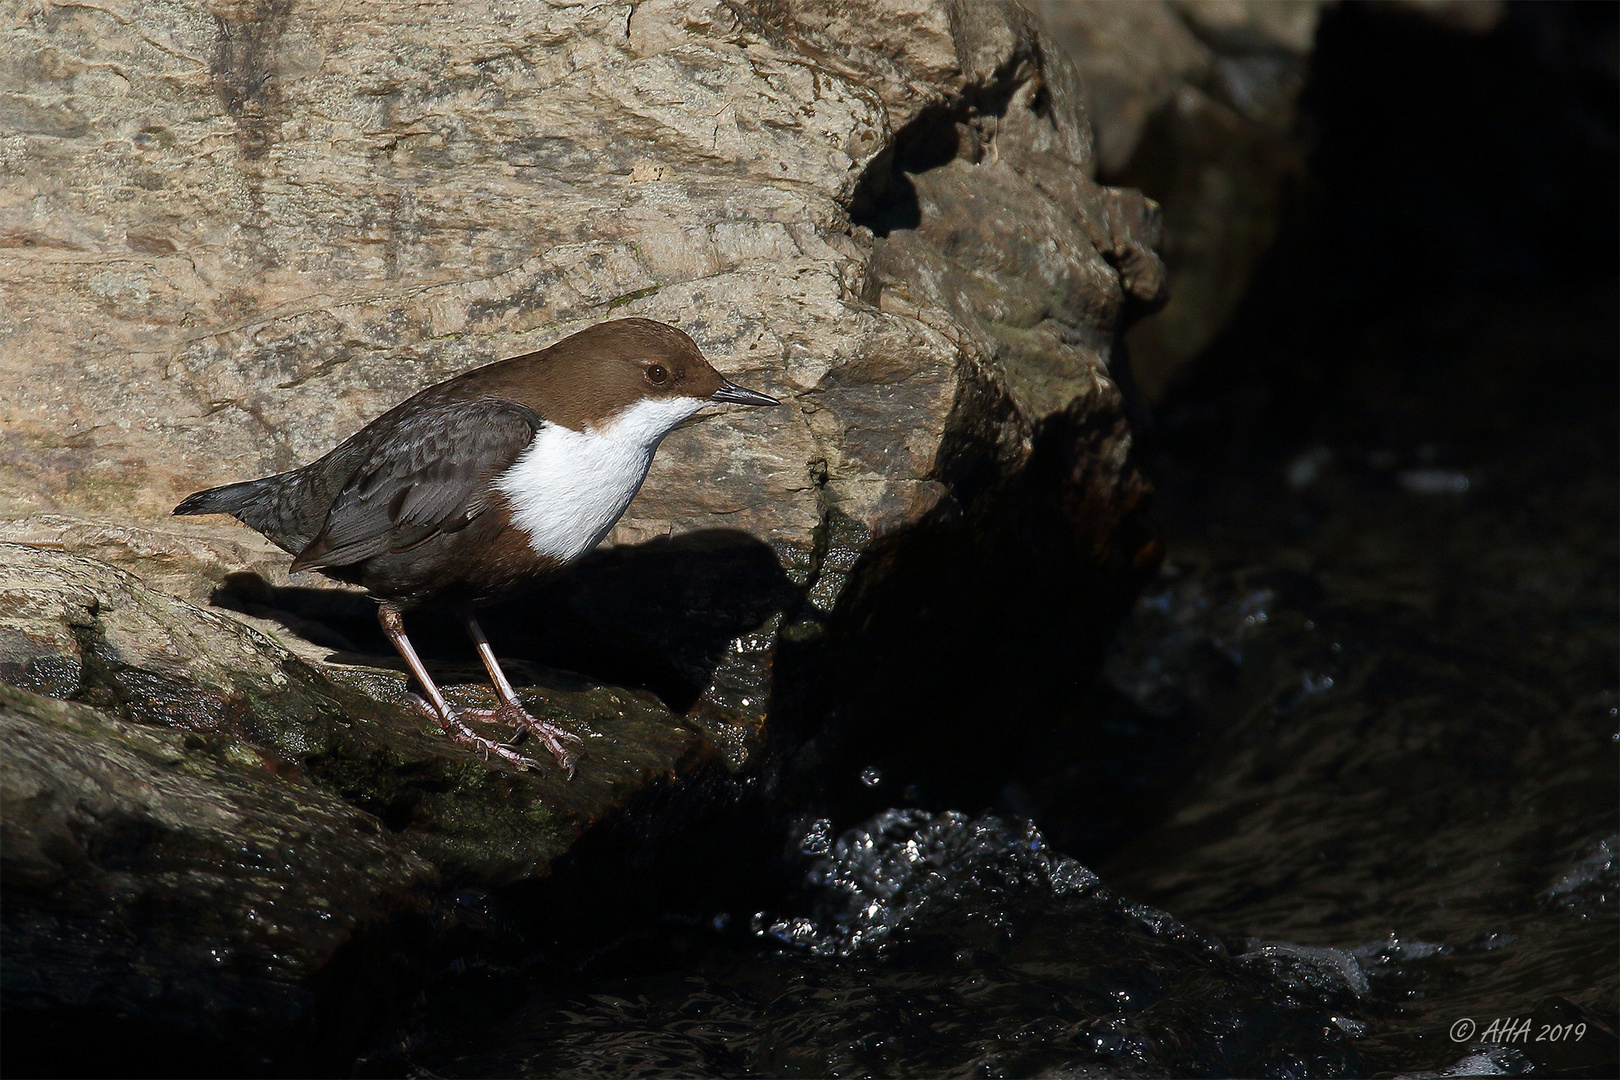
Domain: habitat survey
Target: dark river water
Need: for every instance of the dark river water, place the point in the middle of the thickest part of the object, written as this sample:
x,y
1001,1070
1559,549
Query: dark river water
x,y
1343,800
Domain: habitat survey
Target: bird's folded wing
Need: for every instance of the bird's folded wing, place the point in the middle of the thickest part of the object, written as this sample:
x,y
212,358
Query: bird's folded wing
x,y
432,474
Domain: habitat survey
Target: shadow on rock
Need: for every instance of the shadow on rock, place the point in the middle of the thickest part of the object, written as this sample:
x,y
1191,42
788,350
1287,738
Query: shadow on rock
x,y
659,615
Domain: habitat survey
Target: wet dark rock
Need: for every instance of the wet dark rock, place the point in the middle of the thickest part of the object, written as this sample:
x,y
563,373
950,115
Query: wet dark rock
x,y
918,638
168,891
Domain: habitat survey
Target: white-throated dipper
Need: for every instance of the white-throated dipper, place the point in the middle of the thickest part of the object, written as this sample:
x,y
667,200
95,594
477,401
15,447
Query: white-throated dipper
x,y
491,482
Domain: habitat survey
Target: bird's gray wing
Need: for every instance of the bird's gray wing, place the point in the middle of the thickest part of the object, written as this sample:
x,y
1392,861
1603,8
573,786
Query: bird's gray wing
x,y
431,474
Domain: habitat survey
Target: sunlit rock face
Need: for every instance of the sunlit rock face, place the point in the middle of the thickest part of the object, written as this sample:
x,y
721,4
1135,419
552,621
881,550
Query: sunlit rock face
x,y
234,234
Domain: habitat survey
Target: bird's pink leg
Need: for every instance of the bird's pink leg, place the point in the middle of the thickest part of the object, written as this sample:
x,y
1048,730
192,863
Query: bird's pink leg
x,y
511,710
393,625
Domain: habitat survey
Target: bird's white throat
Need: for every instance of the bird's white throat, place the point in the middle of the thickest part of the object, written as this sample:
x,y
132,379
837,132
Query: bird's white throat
x,y
569,487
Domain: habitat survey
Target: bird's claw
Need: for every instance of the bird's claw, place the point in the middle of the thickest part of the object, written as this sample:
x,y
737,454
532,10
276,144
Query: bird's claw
x,y
455,726
550,734
461,733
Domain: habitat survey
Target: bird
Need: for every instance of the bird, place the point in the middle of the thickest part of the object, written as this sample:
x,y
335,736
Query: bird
x,y
482,486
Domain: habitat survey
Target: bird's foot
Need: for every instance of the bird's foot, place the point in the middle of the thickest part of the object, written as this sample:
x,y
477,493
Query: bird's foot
x,y
456,728
552,735
458,731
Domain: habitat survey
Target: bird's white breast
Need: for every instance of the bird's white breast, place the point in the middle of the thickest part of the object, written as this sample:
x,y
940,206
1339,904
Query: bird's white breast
x,y
569,487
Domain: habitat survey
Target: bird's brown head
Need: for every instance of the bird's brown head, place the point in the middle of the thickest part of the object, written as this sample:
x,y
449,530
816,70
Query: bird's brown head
x,y
589,379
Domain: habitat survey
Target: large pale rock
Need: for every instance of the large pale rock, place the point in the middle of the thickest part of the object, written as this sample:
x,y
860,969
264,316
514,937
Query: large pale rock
x,y
235,233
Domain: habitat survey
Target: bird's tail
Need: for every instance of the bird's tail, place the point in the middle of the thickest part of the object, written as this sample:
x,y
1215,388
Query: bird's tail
x,y
228,499
263,504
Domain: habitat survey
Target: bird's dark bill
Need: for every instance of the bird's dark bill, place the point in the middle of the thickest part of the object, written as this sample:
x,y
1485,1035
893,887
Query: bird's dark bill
x,y
736,395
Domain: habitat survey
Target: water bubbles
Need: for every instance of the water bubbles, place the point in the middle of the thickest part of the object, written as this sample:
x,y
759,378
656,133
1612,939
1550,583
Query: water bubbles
x,y
1496,1061
871,776
1151,919
1592,883
906,868
1069,876
1313,966
816,838
947,944
1394,951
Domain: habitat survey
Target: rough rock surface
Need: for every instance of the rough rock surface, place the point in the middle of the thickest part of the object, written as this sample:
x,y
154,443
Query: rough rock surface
x,y
234,234
230,234
219,841
77,629
883,214
1196,103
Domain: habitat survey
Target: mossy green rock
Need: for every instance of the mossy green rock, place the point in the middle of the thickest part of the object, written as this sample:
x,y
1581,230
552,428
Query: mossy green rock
x,y
77,629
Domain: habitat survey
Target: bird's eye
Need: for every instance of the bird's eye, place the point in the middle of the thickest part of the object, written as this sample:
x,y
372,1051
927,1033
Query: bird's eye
x,y
657,374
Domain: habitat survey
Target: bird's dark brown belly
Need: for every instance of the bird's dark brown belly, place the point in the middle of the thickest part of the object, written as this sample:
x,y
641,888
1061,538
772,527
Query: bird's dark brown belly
x,y
489,560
